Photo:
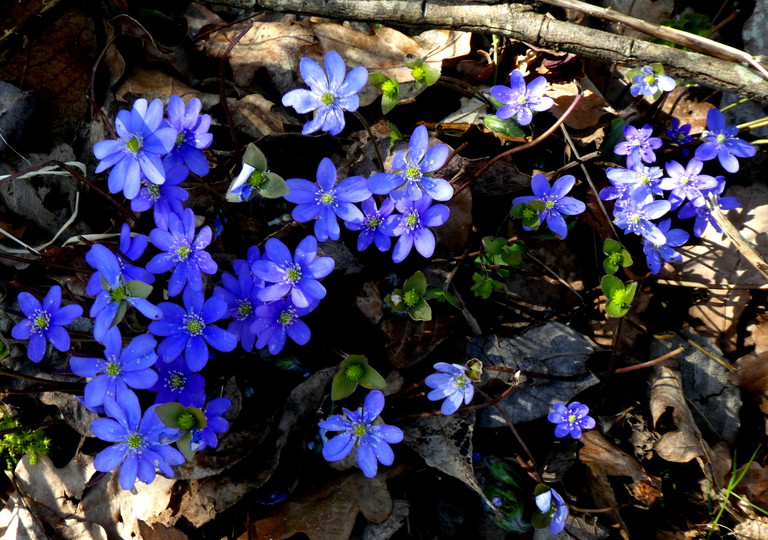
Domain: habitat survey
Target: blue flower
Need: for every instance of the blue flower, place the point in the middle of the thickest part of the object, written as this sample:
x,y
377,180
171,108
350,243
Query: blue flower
x,y
239,291
371,441
184,253
411,178
176,382
703,214
654,253
625,182
555,201
687,183
372,225
138,449
120,369
681,134
164,199
215,424
142,143
191,135
188,330
278,319
636,215
723,143
552,504
520,101
638,145
115,294
450,384
648,83
571,420
325,200
295,275
44,322
411,226
328,96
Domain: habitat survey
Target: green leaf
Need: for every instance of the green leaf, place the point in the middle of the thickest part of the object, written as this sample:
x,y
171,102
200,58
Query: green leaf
x,y
611,285
372,379
388,101
342,386
431,75
610,266
138,289
611,246
413,61
485,287
273,187
421,311
185,447
377,79
450,299
493,244
168,413
394,135
513,254
255,158
508,128
503,472
540,520
397,304
417,282
121,309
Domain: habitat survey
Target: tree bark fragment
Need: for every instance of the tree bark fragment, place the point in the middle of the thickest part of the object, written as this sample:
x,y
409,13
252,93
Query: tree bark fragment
x,y
520,22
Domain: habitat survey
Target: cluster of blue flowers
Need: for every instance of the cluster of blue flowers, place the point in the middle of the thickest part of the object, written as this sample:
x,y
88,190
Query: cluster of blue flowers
x,y
644,193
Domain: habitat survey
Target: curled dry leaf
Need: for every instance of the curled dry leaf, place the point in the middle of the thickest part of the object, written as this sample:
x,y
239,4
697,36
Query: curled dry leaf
x,y
590,110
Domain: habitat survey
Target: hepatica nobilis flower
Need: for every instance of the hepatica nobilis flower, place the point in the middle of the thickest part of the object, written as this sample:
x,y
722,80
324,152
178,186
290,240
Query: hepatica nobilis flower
x,y
183,253
44,322
687,183
520,100
649,82
239,292
371,228
292,275
638,145
636,217
120,369
188,330
138,448
192,135
164,199
655,253
451,384
703,214
144,140
328,95
326,200
551,504
115,294
207,437
177,383
625,182
411,226
556,203
359,432
411,177
279,320
571,420
722,143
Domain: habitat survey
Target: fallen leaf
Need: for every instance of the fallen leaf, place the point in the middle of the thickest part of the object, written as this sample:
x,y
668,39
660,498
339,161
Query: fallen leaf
x,y
253,115
680,104
330,512
590,110
751,375
152,83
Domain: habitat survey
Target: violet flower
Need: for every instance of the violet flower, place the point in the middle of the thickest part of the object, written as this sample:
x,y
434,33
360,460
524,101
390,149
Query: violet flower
x,y
571,420
655,253
687,183
625,182
164,199
240,293
556,203
191,135
450,384
411,226
279,320
177,383
636,217
521,101
552,504
638,145
372,225
721,142
649,83
703,214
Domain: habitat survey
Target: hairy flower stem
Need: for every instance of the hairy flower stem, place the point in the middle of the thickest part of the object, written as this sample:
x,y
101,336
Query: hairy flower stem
x,y
649,363
375,144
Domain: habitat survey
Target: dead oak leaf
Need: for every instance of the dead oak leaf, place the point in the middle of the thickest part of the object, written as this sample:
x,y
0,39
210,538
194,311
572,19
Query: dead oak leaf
x,y
330,512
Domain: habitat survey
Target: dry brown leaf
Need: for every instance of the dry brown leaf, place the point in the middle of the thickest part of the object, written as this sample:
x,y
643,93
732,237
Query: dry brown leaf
x,y
752,529
330,512
590,110
682,441
680,105
759,334
253,116
151,84
751,375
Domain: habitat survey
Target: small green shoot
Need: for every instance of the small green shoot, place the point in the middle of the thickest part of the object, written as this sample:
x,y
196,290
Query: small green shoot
x,y
14,445
616,256
411,298
619,296
353,371
390,90
422,73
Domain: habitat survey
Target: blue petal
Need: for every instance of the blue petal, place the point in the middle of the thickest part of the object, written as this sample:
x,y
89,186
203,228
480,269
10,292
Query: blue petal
x,y
110,458
339,447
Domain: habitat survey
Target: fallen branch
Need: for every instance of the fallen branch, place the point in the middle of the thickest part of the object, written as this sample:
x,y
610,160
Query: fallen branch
x,y
518,21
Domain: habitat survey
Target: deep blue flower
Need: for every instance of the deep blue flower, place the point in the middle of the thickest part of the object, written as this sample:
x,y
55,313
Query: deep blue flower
x,y
520,101
450,384
143,142
164,199
44,322
551,503
176,382
183,253
687,183
278,319
115,294
625,182
133,247
411,178
681,134
240,293
372,225
295,275
191,135
648,83
215,423
703,214
571,420
723,143
325,200
636,215
638,145
138,449
555,201
328,96
411,226
120,369
655,253
188,330
371,441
